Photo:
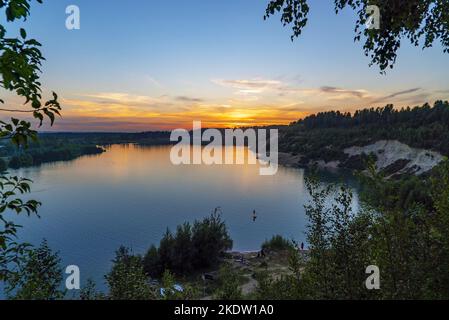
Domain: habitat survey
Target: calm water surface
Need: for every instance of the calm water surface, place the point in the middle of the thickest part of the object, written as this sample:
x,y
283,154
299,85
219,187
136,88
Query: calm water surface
x,y
129,195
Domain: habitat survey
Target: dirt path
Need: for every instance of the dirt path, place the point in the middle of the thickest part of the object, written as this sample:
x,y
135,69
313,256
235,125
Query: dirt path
x,y
250,286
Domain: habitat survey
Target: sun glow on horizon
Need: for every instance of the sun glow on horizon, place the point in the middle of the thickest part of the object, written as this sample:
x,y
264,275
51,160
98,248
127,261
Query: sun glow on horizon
x,y
245,103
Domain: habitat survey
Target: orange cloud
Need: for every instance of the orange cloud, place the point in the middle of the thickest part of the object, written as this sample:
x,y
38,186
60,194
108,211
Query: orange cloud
x,y
125,111
258,102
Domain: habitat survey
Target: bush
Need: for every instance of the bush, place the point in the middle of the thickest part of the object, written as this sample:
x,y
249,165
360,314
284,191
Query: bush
x,y
127,280
23,160
152,263
39,276
277,243
190,248
89,292
171,292
210,238
3,165
228,285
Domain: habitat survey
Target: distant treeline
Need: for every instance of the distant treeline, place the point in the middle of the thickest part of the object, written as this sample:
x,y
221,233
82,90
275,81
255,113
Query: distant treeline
x,y
52,147
413,117
46,150
106,138
325,135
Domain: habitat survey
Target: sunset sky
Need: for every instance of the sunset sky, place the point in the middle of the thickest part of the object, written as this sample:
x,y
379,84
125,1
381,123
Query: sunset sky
x,y
144,65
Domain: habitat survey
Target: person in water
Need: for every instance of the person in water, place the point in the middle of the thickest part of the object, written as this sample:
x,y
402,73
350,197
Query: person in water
x,y
254,215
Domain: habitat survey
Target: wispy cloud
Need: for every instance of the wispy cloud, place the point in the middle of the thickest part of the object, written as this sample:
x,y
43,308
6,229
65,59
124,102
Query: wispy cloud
x,y
393,95
281,88
121,98
250,86
344,92
127,111
152,81
188,99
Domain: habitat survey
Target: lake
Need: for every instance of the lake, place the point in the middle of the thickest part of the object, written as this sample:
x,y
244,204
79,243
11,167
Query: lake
x,y
130,195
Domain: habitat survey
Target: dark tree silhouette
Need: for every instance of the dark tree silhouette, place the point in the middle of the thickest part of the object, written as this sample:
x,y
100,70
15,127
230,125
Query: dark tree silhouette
x,y
422,22
20,63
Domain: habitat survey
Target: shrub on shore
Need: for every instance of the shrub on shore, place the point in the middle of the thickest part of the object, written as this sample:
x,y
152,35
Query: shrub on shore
x,y
277,243
191,248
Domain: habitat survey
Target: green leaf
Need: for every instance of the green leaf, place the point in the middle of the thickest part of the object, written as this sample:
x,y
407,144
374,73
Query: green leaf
x,y
23,33
36,104
50,115
33,42
39,116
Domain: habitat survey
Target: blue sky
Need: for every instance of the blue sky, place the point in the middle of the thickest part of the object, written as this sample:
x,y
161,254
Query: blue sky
x,y
143,64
